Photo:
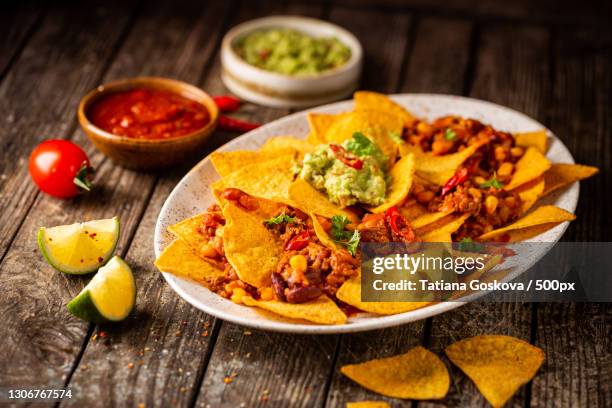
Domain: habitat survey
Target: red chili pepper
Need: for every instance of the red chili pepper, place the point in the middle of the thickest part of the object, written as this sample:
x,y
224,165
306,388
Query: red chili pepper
x,y
460,176
346,157
235,125
227,103
300,241
399,224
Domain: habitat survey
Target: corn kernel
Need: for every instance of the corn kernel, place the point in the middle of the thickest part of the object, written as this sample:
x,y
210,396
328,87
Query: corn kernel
x,y
505,170
491,204
298,263
237,295
266,294
479,180
474,192
209,251
516,151
500,153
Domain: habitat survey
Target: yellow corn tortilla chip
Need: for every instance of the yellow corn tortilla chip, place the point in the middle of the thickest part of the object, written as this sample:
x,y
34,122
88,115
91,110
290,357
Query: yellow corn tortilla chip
x,y
286,144
249,247
322,310
535,139
530,193
412,209
438,169
561,175
319,123
531,166
449,224
321,234
427,218
365,100
190,233
350,293
498,365
269,180
418,374
368,404
401,180
312,201
544,216
228,162
377,125
178,259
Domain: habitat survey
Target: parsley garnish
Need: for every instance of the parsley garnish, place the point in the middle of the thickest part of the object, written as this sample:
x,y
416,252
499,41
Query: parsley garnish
x,y
396,137
493,182
468,245
449,134
342,236
361,145
279,219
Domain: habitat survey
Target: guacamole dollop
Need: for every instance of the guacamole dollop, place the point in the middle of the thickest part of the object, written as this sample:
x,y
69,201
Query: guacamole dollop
x,y
291,52
362,180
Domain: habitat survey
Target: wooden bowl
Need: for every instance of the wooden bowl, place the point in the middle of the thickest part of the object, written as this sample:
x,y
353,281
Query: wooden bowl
x,y
148,154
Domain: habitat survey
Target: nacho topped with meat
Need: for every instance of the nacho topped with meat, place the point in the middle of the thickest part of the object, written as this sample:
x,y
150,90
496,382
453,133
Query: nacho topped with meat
x,y
284,235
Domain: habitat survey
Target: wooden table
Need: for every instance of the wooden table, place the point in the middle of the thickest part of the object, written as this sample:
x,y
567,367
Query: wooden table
x,y
550,60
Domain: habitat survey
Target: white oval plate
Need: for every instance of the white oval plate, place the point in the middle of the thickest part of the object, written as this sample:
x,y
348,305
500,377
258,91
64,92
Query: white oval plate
x,y
192,196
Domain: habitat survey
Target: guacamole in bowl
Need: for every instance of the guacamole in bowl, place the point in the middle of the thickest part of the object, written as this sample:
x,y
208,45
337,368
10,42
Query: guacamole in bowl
x,y
291,52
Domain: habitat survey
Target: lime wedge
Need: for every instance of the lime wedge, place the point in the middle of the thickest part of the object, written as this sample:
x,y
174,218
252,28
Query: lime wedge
x,y
79,248
109,297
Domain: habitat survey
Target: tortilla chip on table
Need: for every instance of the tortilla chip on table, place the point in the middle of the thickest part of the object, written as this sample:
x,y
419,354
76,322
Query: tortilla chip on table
x,y
498,365
417,374
560,175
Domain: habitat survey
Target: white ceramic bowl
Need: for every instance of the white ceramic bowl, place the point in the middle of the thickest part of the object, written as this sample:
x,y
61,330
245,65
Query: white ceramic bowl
x,y
284,91
192,195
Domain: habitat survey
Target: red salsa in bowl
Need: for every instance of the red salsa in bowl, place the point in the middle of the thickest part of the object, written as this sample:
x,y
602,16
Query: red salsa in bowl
x,y
148,114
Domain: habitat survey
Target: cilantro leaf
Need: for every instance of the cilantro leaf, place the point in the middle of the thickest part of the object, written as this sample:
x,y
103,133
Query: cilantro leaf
x,y
396,137
344,237
279,219
353,243
493,182
449,134
468,245
361,145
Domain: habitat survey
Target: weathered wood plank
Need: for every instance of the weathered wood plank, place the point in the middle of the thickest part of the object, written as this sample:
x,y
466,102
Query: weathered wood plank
x,y
38,98
549,11
155,356
511,69
16,24
576,337
426,51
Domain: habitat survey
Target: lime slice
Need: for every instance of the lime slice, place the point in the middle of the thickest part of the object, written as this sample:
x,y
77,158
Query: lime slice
x,y
109,297
79,248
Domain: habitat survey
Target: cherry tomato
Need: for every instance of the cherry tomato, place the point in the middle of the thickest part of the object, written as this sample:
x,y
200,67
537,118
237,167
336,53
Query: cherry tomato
x,y
60,168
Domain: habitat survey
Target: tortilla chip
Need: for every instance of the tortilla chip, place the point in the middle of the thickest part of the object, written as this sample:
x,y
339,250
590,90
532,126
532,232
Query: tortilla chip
x,y
376,125
319,123
418,374
286,144
250,248
535,139
438,169
412,210
228,162
321,234
365,100
427,218
529,167
530,193
561,175
498,365
368,404
437,236
178,259
312,201
399,187
544,216
189,232
322,310
350,293
449,224
269,180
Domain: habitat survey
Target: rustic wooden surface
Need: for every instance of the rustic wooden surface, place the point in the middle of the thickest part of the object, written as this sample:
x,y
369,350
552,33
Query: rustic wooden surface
x,y
551,60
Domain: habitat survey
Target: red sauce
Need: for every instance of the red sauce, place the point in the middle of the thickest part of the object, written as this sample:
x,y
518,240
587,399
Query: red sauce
x,y
148,114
